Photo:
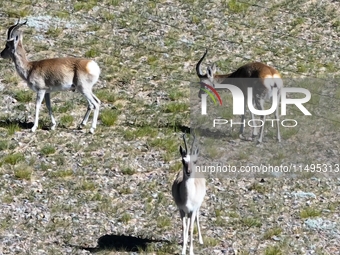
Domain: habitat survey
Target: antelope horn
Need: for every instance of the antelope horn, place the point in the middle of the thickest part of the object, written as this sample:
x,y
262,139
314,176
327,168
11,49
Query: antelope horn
x,y
13,28
185,144
198,66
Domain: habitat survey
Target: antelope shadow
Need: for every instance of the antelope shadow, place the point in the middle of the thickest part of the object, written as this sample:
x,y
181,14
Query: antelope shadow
x,y
121,243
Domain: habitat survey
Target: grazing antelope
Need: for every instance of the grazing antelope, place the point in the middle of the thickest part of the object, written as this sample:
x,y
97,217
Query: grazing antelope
x,y
188,191
57,74
264,79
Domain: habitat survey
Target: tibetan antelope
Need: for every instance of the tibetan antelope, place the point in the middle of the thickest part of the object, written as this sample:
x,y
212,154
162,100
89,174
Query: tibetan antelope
x,y
57,74
263,79
188,191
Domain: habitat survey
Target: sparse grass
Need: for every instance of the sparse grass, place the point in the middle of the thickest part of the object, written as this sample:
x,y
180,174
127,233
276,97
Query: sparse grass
x,y
12,128
250,222
66,107
128,171
54,31
108,117
106,96
163,222
23,96
66,120
92,53
23,172
272,232
84,6
86,186
209,241
61,173
236,6
3,145
175,167
48,149
125,218
175,107
13,159
309,212
139,132
273,250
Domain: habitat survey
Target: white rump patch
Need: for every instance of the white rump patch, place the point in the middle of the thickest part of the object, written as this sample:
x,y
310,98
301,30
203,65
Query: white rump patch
x,y
93,68
271,80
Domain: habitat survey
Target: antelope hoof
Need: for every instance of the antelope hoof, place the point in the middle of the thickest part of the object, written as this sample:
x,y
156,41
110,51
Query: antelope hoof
x,y
33,129
92,130
53,127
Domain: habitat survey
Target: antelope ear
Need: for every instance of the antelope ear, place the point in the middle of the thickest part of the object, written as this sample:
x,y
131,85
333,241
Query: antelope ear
x,y
197,151
214,68
210,73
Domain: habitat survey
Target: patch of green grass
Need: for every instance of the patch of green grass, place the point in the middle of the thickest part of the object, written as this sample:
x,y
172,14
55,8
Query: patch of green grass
x,y
163,222
65,107
242,156
66,120
92,53
23,96
176,167
125,218
87,186
23,173
236,6
61,14
48,149
3,145
144,131
176,94
220,222
13,159
309,212
61,173
273,250
175,107
209,241
250,222
12,128
128,171
85,6
54,31
298,21
106,96
272,232
114,2
125,190
152,60
302,67
108,117
170,145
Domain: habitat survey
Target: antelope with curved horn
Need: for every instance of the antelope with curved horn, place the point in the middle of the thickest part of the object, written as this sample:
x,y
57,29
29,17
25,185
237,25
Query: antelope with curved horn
x,y
57,74
188,191
264,79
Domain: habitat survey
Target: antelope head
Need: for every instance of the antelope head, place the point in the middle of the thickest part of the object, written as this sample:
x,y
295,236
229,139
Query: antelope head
x,y
14,37
189,160
208,77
